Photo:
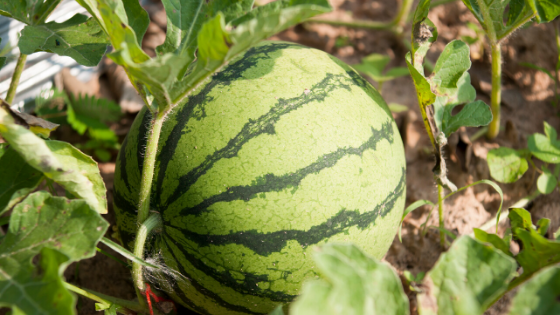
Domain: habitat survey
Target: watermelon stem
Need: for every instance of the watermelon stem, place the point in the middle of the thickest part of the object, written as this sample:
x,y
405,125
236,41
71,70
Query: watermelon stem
x,y
153,222
441,196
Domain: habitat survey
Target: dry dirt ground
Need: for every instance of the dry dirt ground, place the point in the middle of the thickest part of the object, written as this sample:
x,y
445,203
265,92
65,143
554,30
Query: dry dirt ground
x,y
527,102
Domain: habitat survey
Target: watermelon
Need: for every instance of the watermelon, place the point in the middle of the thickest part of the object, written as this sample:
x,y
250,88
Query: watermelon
x,y
284,149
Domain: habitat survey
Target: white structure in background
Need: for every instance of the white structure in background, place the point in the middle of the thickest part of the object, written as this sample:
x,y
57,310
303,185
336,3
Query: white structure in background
x,y
41,67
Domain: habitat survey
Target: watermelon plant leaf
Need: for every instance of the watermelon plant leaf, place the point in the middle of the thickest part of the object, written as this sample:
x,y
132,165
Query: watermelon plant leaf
x,y
217,44
474,114
453,62
506,165
517,8
30,12
358,284
545,10
19,179
36,125
424,33
546,182
111,16
61,166
493,239
374,66
538,252
137,18
184,20
80,38
539,295
423,89
62,231
545,147
466,279
231,9
542,226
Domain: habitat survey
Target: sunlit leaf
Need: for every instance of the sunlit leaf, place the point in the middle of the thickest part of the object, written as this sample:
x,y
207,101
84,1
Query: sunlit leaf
x,y
506,165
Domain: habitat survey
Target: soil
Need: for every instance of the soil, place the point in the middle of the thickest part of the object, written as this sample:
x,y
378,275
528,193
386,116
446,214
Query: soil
x,y
527,102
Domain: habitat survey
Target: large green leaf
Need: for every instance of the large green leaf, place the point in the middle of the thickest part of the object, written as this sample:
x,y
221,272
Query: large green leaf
x,y
30,12
79,37
539,296
19,179
60,162
466,279
474,114
357,285
506,165
62,231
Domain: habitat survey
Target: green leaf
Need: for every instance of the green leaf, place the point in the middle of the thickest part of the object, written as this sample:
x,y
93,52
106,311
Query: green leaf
x,y
451,65
424,33
546,10
506,165
87,113
138,18
520,218
231,9
543,226
60,162
466,279
358,284
539,296
495,9
19,179
493,239
546,182
30,12
516,10
423,90
112,17
184,20
80,38
537,253
474,114
413,206
62,231
218,45
546,148
373,66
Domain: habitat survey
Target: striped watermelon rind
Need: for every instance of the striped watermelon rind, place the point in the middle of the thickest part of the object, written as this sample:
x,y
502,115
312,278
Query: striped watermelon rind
x,y
285,148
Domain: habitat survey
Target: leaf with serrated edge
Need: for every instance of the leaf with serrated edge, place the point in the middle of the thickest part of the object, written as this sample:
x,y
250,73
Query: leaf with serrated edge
x,y
539,295
59,229
358,284
506,165
80,38
466,279
37,153
19,179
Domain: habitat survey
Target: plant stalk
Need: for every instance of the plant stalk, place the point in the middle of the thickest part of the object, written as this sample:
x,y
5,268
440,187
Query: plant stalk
x,y
153,222
123,306
441,195
15,78
496,96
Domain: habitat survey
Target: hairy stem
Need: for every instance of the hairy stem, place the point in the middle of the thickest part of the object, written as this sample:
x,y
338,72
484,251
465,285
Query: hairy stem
x,y
151,223
496,96
15,78
441,195
123,306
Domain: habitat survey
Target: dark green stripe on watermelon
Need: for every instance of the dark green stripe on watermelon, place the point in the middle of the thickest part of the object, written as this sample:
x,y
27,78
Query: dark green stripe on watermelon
x,y
194,107
271,182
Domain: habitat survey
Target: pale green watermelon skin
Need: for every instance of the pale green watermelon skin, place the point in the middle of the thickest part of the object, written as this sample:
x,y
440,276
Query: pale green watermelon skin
x,y
286,148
